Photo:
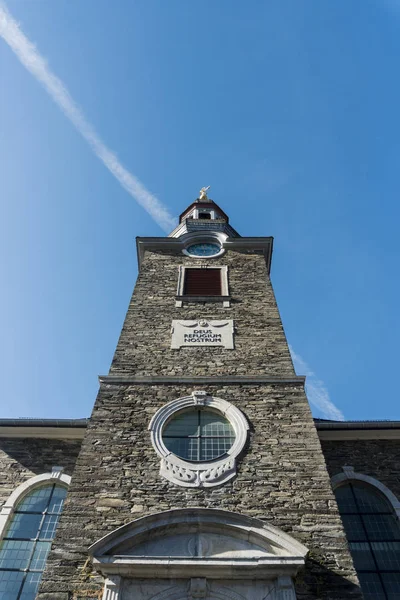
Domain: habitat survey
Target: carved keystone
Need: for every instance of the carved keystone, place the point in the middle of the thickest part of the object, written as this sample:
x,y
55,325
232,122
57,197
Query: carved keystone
x,y
56,472
198,588
348,471
199,397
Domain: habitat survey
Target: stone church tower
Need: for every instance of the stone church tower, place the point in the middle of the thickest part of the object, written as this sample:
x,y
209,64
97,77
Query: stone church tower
x,y
201,473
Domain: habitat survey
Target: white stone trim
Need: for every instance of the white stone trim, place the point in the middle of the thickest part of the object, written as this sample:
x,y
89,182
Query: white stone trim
x,y
22,490
216,255
204,237
112,587
181,282
198,474
197,211
176,593
202,332
284,557
349,474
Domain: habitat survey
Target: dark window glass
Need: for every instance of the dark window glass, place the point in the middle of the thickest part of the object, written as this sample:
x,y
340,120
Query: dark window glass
x,y
198,435
27,542
205,215
371,586
373,532
391,581
202,282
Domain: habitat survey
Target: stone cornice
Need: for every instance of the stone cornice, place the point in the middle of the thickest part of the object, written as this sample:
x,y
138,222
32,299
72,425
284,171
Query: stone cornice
x,y
71,429
357,435
176,244
214,380
46,432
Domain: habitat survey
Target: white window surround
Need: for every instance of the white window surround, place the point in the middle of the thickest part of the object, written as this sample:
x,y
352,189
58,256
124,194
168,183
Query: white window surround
x,y
7,510
349,475
198,474
195,213
204,237
203,241
210,553
181,285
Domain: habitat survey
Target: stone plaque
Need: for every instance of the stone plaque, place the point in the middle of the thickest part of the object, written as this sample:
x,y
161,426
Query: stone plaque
x,y
202,333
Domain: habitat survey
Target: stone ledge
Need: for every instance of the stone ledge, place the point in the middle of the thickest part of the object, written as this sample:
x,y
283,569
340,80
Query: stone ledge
x,y
186,298
54,596
214,380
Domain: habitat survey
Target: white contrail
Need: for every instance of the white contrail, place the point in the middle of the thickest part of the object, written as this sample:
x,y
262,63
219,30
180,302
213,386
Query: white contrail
x,y
316,390
36,65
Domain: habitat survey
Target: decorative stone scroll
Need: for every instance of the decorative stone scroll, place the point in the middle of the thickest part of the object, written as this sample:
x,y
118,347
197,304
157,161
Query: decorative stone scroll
x,y
202,333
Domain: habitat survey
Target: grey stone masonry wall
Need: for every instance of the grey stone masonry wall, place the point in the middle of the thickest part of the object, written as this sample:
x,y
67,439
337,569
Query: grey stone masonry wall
x,y
260,343
282,477
377,458
21,459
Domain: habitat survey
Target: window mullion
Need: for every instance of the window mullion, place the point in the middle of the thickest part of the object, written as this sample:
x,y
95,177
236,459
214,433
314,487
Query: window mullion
x,y
377,571
21,586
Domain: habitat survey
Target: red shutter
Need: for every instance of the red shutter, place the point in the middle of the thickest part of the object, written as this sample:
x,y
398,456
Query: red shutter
x,y
202,282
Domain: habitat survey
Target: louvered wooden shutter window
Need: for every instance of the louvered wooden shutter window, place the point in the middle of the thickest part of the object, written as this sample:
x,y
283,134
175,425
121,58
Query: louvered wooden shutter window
x,y
202,282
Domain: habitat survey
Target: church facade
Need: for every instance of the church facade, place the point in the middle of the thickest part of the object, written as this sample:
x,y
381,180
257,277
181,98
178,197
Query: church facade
x,y
201,472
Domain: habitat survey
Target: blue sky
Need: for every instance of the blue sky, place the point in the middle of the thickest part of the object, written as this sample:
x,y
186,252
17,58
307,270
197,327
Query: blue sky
x,y
289,109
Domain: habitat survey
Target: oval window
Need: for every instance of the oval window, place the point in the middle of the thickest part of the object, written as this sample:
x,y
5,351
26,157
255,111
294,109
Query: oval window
x,y
204,249
198,435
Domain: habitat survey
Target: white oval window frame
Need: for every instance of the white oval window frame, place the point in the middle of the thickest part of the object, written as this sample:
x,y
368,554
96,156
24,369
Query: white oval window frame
x,y
204,237
205,473
219,253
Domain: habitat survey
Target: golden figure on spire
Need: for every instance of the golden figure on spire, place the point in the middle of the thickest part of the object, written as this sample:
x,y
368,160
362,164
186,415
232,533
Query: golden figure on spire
x,y
203,193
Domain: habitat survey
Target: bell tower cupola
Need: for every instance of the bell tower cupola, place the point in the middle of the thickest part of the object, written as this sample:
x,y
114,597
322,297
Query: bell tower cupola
x,y
203,215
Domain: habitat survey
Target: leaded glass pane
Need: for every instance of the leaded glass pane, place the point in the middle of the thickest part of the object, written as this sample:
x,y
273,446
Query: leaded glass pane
x,y
213,447
369,501
15,554
31,586
391,582
57,500
198,435
10,584
387,555
381,527
40,556
49,526
187,448
362,556
354,528
36,501
213,424
22,561
371,586
345,499
374,540
24,526
185,424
